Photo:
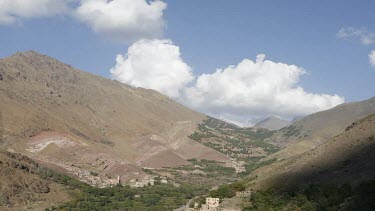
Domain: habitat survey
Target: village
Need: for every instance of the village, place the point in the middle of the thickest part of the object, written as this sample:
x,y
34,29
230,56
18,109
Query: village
x,y
105,181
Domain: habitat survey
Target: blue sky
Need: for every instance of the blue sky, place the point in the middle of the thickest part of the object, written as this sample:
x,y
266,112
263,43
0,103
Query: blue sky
x,y
216,34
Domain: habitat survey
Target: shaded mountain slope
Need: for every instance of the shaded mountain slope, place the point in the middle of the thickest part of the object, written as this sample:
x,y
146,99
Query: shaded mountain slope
x,y
77,122
346,158
315,129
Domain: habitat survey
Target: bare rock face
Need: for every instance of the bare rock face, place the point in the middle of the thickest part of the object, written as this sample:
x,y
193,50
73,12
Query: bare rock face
x,y
78,123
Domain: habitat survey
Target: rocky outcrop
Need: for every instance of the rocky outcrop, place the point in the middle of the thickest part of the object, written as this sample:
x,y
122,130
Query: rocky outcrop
x,y
21,183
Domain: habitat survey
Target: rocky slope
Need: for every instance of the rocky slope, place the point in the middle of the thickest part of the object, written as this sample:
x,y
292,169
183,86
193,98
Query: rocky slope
x,y
91,127
22,186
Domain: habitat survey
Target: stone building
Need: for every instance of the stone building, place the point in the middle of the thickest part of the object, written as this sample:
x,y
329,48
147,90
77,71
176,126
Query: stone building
x,y
147,180
211,204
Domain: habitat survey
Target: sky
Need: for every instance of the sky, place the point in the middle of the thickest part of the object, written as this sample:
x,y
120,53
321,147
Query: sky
x,y
237,60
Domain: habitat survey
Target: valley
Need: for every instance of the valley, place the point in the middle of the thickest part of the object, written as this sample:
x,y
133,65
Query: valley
x,y
79,141
59,117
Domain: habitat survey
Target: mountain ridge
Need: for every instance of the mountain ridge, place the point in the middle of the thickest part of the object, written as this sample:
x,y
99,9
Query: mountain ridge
x,y
63,116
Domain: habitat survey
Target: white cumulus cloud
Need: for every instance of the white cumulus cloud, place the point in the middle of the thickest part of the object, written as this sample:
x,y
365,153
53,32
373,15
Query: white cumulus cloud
x,y
252,90
119,20
11,11
363,35
123,20
153,64
244,93
372,58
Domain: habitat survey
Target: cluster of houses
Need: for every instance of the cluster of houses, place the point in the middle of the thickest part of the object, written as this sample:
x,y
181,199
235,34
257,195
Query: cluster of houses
x,y
94,180
98,181
145,181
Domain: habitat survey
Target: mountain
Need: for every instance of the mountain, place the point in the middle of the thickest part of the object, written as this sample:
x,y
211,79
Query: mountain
x,y
349,158
272,123
315,129
91,127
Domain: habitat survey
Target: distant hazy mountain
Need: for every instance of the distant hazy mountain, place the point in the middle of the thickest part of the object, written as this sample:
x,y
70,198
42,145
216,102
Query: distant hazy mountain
x,y
272,123
77,122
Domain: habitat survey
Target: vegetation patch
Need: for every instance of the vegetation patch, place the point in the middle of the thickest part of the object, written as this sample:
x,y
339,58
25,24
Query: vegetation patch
x,y
157,197
234,141
205,173
316,197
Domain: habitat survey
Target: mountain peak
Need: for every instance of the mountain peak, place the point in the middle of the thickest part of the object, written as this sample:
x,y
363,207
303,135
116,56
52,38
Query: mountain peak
x,y
36,62
33,57
272,118
272,123
29,53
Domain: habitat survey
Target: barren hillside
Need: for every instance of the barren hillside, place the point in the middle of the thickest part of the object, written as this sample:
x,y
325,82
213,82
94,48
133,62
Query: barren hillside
x,y
79,123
